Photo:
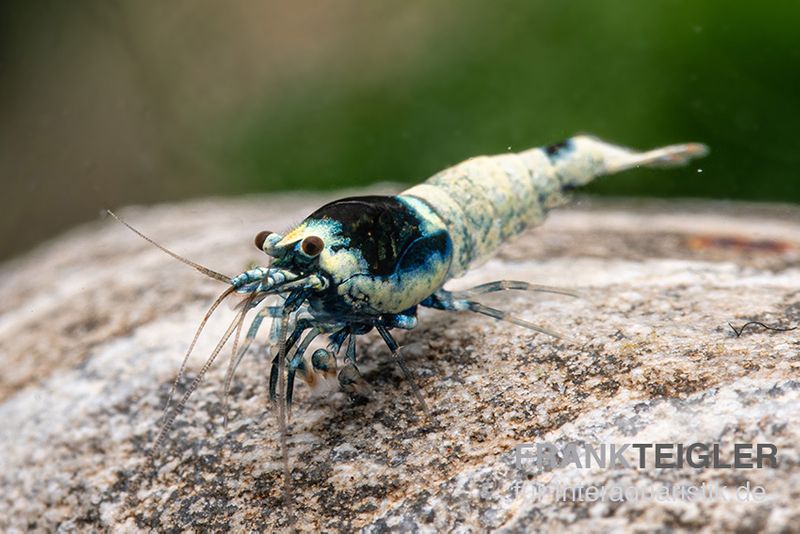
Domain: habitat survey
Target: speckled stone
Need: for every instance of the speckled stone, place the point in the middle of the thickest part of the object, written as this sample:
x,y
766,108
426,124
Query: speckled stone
x,y
93,326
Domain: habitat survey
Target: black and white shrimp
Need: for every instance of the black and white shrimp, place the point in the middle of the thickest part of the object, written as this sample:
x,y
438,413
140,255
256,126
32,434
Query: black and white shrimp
x,y
369,262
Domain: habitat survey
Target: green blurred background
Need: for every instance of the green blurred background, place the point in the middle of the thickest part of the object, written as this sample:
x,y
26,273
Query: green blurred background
x,y
108,103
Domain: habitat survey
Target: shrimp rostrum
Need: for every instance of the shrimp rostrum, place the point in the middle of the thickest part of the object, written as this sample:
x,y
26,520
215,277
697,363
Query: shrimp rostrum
x,y
370,262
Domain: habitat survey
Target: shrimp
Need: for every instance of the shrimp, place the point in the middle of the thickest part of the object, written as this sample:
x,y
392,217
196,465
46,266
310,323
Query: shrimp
x,y
369,262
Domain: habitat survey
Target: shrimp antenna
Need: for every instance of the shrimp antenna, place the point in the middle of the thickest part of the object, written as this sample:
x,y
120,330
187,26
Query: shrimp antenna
x,y
197,333
170,419
247,305
205,270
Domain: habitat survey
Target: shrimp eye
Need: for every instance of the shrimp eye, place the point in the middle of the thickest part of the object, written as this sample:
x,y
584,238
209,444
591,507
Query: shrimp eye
x,y
312,246
260,238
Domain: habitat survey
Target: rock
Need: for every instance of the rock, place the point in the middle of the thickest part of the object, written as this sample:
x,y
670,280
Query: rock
x,y
94,325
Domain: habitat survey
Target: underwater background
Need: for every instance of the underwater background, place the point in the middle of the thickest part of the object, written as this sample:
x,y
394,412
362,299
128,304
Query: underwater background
x,y
105,104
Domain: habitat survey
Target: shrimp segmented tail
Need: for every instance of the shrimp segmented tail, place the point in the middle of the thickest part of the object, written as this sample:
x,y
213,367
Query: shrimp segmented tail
x,y
485,200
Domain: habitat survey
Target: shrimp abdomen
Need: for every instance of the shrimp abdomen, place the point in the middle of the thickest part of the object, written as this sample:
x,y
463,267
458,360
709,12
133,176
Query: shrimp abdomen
x,y
485,200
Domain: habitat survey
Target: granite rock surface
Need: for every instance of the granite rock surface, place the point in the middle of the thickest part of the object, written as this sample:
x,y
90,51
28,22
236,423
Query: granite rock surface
x,y
93,326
